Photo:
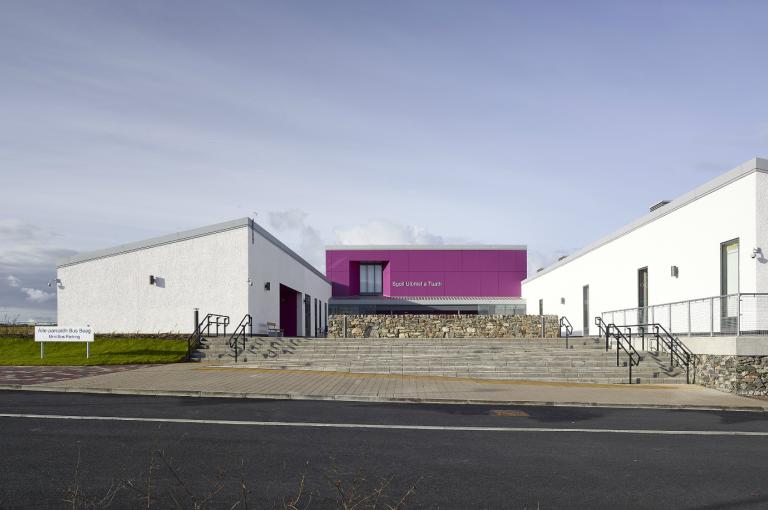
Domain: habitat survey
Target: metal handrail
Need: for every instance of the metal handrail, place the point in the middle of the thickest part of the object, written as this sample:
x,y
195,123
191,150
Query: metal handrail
x,y
632,354
677,349
193,341
564,322
246,321
603,328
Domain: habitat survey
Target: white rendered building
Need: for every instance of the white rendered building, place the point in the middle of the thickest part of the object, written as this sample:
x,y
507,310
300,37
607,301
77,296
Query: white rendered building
x,y
673,265
154,286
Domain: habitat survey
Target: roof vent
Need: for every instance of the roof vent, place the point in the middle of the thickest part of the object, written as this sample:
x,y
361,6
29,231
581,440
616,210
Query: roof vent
x,y
660,204
539,270
561,258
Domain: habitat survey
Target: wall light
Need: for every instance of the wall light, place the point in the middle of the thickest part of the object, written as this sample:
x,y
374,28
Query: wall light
x,y
51,283
756,252
267,286
675,271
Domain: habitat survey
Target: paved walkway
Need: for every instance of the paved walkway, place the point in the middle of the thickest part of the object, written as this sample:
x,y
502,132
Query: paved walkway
x,y
42,374
195,380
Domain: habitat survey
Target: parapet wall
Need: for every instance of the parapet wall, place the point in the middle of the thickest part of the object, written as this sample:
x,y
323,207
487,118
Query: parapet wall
x,y
443,326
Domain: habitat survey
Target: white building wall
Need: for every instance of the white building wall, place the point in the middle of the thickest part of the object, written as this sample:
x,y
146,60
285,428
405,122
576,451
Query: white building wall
x,y
269,263
688,237
761,266
113,293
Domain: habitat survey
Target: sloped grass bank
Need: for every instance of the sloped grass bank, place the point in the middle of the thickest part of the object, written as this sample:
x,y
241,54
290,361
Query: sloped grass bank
x,y
18,351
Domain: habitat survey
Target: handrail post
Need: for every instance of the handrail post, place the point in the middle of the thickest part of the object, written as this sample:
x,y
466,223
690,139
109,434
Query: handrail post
x,y
630,369
738,314
689,318
711,316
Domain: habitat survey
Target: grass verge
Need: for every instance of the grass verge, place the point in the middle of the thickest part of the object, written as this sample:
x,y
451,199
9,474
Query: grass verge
x,y
18,351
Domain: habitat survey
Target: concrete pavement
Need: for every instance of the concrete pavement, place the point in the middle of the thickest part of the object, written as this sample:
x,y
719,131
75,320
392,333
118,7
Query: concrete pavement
x,y
239,382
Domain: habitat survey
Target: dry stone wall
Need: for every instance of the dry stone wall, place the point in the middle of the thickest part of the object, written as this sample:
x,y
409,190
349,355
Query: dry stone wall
x,y
744,375
442,326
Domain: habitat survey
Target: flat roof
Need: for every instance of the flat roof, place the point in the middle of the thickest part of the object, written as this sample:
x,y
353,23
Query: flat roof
x,y
184,236
425,247
743,170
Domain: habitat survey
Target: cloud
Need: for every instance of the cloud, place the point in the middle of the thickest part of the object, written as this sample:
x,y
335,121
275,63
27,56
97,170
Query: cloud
x,y
37,295
309,243
23,245
306,240
385,232
287,220
28,257
33,295
538,259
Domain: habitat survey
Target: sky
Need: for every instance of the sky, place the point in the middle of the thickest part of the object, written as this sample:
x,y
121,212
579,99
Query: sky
x,y
549,124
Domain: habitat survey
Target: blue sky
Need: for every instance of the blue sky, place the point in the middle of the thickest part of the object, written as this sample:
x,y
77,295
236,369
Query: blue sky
x,y
543,123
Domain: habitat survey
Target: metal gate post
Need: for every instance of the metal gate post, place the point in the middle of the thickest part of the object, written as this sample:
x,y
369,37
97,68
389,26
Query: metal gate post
x,y
689,318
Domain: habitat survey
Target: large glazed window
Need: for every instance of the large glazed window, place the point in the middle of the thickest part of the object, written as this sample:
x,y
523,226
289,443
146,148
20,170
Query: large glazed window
x,y
370,279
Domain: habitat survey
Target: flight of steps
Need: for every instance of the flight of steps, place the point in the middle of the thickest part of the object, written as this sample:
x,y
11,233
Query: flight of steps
x,y
511,359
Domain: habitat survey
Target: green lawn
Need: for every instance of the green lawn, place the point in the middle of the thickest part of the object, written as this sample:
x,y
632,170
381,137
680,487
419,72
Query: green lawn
x,y
104,351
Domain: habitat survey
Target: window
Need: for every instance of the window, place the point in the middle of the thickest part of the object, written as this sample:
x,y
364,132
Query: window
x,y
370,279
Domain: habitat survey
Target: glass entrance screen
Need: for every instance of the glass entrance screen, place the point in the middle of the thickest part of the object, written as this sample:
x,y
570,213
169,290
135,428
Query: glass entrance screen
x,y
370,279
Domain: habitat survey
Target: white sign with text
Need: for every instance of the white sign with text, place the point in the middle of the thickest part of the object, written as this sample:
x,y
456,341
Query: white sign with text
x,y
61,334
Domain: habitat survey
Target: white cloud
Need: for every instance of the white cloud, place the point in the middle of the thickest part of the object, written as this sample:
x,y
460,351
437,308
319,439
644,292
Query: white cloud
x,y
23,245
287,220
37,295
538,259
310,244
13,281
306,240
385,232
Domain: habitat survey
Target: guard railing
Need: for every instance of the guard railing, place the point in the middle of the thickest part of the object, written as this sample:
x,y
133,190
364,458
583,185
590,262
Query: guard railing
x,y
212,320
742,314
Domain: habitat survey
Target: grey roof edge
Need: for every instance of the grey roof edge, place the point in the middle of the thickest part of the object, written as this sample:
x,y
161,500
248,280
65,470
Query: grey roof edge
x,y
747,168
183,235
186,235
416,247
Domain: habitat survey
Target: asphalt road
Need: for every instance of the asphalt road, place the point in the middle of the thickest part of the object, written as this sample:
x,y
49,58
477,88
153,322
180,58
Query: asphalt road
x,y
124,451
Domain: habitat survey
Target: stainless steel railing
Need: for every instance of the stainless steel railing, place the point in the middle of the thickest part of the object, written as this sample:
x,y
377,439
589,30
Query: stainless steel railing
x,y
740,314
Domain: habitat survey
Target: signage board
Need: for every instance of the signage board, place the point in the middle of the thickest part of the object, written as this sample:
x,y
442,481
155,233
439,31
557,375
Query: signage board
x,y
416,283
63,334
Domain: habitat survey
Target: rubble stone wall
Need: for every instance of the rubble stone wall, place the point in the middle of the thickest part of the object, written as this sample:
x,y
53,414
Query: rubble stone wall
x,y
442,326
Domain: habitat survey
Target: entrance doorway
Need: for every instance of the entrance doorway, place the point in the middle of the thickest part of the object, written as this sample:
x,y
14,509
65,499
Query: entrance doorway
x,y
642,296
585,307
289,303
729,286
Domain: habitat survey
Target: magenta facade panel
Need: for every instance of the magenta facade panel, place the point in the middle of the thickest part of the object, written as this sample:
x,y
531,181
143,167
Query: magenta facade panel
x,y
430,272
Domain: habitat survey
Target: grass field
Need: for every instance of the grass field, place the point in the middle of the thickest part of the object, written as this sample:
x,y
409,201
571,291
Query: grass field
x,y
104,351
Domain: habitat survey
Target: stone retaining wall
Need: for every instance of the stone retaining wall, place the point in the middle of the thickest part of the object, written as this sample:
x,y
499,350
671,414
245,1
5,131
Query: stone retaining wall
x,y
744,375
442,326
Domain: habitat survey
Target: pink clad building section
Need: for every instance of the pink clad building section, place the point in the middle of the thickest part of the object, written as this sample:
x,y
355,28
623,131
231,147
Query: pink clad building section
x,y
430,272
